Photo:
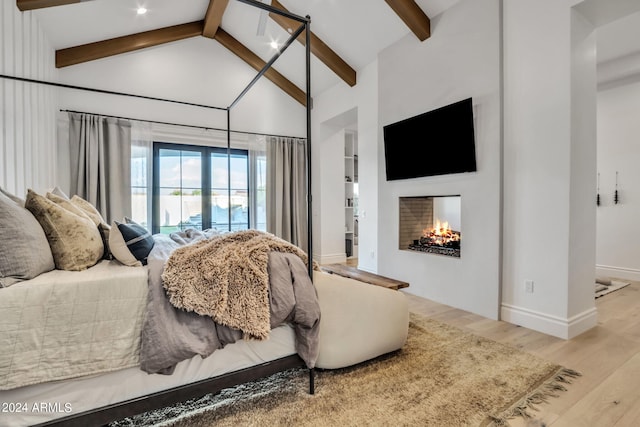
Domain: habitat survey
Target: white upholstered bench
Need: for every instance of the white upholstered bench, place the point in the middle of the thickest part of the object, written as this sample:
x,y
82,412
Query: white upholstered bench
x,y
359,321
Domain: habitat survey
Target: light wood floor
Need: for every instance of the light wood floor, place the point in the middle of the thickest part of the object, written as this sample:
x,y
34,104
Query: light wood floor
x,y
608,356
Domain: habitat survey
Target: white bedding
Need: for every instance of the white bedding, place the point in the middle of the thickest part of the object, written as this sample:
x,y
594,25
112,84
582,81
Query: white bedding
x,y
62,398
52,324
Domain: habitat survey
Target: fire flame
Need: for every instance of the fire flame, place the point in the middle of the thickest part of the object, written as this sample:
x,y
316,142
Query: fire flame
x,y
440,234
440,229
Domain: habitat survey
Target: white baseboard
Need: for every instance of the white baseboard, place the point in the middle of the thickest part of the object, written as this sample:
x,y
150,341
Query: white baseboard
x,y
330,258
548,324
620,272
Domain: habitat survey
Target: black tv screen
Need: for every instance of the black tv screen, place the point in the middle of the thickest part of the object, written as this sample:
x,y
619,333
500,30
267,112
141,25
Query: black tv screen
x,y
437,142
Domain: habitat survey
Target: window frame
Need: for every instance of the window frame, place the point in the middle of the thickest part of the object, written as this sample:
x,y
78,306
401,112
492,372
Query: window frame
x,y
205,152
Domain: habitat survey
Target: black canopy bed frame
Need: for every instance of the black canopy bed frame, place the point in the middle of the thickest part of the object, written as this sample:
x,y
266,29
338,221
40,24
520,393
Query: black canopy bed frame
x,y
109,413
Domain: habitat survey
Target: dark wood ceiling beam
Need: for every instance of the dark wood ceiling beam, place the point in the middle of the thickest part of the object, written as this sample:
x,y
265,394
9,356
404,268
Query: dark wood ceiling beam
x,y
258,64
102,49
412,16
213,18
319,48
40,4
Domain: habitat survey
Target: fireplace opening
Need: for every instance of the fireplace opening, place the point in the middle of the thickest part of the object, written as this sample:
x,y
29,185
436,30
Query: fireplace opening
x,y
430,224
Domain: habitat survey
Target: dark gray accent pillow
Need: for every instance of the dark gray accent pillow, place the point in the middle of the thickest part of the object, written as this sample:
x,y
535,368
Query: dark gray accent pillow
x,y
24,250
130,243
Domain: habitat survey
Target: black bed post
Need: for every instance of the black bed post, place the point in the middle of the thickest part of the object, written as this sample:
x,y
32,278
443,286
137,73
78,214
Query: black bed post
x,y
312,381
229,167
307,26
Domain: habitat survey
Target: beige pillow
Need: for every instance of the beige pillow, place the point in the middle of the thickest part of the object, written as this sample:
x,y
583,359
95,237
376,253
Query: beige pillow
x,y
89,209
74,239
66,203
95,216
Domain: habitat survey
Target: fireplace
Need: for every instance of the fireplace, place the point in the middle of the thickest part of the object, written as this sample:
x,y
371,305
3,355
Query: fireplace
x,y
430,224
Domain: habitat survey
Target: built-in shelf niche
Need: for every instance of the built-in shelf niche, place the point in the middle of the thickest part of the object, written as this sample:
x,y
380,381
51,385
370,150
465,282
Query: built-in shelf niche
x,y
351,193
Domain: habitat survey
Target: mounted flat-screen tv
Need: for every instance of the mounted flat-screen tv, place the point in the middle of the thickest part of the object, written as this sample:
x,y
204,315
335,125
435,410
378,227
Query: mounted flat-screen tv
x,y
437,142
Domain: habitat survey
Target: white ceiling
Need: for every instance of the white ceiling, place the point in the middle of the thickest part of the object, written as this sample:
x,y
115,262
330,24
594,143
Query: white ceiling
x,y
356,29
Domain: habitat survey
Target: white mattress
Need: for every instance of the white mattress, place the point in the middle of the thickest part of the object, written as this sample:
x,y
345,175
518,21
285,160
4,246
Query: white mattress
x,y
64,398
64,324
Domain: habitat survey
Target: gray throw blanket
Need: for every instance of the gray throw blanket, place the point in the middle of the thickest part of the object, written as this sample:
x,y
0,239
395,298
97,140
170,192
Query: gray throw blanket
x,y
171,335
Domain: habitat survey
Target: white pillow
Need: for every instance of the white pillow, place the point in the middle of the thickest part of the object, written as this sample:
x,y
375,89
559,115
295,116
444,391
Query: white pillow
x,y
58,192
130,243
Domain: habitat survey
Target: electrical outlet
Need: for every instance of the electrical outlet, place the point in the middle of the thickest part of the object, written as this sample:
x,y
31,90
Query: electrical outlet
x,y
372,254
528,286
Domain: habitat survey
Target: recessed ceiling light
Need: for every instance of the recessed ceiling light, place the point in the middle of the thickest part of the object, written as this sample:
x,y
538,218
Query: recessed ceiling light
x,y
274,44
142,10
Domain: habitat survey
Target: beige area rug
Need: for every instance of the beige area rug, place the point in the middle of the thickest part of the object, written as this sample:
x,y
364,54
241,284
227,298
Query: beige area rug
x,y
442,377
606,285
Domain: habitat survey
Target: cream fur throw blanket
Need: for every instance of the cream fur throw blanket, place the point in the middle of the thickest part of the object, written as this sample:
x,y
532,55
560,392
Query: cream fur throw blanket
x,y
226,278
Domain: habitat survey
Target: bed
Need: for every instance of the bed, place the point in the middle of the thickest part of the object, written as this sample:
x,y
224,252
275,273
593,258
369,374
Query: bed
x,y
73,341
95,345
359,322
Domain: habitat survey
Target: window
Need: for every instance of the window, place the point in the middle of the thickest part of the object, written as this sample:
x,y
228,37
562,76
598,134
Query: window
x,y
192,189
140,185
259,198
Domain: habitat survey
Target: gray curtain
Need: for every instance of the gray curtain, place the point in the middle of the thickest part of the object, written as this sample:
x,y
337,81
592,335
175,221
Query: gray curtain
x,y
100,168
287,189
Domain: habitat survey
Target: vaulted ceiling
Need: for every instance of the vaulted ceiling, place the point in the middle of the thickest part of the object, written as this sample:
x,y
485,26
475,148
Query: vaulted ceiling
x,y
345,35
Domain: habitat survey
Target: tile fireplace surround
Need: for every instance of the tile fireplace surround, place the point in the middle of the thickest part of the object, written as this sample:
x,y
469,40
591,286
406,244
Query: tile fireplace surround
x,y
420,213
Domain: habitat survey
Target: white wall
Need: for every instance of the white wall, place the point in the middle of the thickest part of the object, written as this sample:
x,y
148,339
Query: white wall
x,y
581,311
361,102
550,161
461,59
330,199
618,226
27,111
180,71
548,171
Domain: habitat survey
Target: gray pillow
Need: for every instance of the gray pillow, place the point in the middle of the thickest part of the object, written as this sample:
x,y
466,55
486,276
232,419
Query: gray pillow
x,y
13,197
24,250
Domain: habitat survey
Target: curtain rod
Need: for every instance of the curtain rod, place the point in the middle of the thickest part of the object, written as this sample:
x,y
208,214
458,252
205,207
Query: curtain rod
x,y
181,124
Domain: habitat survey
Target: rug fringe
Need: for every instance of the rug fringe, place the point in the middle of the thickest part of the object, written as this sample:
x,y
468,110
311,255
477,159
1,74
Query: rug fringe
x,y
541,395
